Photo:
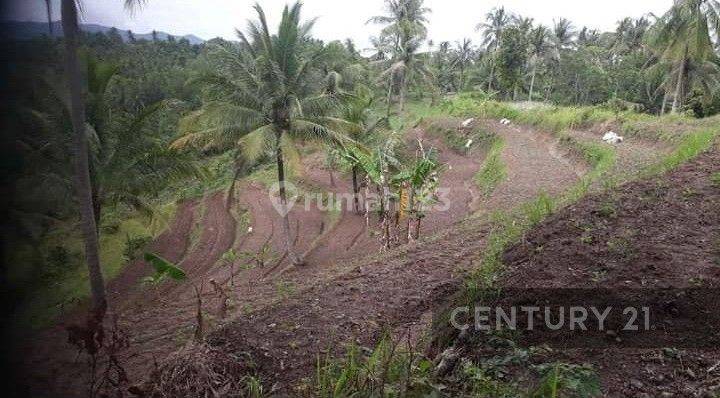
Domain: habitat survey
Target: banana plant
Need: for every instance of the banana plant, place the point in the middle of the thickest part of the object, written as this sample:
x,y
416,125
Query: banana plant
x,y
164,269
378,166
418,183
359,123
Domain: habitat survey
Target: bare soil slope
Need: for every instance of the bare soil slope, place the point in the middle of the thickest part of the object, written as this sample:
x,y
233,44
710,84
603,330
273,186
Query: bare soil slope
x,y
393,292
656,233
346,292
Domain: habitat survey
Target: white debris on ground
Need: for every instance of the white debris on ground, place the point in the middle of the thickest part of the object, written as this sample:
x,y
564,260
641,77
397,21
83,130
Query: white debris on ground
x,y
612,138
250,229
505,122
469,142
467,123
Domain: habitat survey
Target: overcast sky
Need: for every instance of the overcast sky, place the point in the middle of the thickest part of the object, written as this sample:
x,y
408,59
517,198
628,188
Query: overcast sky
x,y
450,19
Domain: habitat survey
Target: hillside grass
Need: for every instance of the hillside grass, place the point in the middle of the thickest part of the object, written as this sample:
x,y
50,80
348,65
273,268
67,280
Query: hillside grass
x,y
692,139
670,127
53,272
493,170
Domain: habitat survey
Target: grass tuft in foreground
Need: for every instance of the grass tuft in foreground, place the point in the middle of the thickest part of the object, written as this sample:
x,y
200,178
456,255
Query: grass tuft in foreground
x,y
387,371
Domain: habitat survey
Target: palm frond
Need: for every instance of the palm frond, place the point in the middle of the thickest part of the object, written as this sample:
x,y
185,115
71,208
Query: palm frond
x,y
312,131
255,144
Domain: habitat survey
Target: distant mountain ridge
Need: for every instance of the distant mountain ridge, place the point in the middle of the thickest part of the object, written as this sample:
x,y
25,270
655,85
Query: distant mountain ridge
x,y
19,30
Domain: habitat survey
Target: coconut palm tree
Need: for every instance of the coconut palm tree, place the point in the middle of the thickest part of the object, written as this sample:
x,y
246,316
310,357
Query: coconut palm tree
x,y
405,25
48,7
262,98
443,67
495,22
126,166
461,59
588,37
629,35
538,42
492,29
71,32
524,24
406,66
563,35
683,39
80,159
402,16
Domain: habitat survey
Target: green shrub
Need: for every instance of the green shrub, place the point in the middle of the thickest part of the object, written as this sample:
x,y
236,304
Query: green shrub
x,y
608,209
465,105
566,380
625,117
482,382
134,246
457,139
384,372
58,261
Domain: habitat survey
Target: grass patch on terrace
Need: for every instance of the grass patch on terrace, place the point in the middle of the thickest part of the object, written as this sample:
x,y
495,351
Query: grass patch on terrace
x,y
493,170
448,129
508,228
54,275
601,159
689,147
670,127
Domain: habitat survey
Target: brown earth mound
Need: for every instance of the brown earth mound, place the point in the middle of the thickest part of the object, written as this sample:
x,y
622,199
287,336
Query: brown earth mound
x,y
647,236
395,291
658,232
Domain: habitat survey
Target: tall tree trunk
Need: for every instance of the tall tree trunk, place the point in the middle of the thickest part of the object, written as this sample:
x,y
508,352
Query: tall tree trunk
x,y
389,99
367,201
664,103
49,16
80,158
410,213
532,82
492,75
294,258
403,87
417,224
385,209
576,88
356,189
677,100
97,211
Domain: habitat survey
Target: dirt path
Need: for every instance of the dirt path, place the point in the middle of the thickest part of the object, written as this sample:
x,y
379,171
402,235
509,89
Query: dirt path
x,y
396,291
533,163
632,154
